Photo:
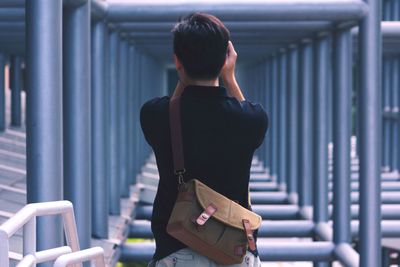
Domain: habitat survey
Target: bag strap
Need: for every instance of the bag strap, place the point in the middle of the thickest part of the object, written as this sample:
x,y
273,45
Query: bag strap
x,y
176,137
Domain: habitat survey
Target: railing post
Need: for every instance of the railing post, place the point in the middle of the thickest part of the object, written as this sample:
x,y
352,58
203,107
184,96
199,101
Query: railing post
x,y
4,248
29,235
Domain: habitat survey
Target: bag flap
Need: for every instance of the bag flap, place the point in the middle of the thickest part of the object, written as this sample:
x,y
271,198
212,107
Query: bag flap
x,y
228,211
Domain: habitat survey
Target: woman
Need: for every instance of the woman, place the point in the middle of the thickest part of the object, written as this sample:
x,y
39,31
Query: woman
x,y
221,130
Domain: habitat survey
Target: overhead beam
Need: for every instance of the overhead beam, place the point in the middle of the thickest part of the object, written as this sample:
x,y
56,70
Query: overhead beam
x,y
252,10
233,26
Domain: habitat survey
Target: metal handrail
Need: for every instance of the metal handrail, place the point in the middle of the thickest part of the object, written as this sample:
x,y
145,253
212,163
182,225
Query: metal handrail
x,y
43,256
26,218
96,254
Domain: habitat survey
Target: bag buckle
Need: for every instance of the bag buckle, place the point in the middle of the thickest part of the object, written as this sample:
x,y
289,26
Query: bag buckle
x,y
180,174
249,234
206,214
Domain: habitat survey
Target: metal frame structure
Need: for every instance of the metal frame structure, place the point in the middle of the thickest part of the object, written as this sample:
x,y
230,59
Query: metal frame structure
x,y
26,218
91,64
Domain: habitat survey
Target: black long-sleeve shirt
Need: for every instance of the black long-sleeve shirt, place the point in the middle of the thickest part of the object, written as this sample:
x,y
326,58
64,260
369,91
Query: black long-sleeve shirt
x,y
220,135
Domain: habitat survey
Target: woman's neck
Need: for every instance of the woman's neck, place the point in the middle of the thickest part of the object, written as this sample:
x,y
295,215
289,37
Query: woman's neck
x,y
204,82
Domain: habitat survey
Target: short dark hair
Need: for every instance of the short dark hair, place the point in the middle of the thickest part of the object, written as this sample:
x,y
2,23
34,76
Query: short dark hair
x,y
200,43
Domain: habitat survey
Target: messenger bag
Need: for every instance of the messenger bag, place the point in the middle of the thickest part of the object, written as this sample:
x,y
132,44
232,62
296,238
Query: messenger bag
x,y
203,219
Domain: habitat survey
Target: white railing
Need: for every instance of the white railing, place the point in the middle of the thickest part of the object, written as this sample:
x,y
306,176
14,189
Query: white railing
x,y
96,254
43,256
26,218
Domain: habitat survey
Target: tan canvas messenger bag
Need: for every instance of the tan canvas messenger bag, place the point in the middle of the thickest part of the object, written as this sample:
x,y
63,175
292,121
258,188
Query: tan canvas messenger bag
x,y
204,220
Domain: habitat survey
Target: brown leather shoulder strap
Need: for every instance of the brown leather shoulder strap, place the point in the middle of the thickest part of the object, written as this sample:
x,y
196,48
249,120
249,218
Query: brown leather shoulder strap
x,y
176,133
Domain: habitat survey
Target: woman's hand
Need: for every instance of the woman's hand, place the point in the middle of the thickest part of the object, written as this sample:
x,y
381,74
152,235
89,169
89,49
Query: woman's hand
x,y
228,70
228,74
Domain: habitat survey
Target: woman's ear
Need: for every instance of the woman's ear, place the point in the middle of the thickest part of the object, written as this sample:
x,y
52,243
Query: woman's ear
x,y
178,64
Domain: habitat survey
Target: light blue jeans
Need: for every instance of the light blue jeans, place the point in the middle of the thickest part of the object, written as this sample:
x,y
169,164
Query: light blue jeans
x,y
189,258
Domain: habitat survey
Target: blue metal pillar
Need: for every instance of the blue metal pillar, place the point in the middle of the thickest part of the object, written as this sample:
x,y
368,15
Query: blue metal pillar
x,y
282,132
16,84
369,94
76,107
114,179
292,125
320,134
263,101
267,101
2,93
129,118
305,125
132,115
258,98
44,113
123,129
330,96
341,135
274,115
394,76
386,119
139,95
387,146
395,8
136,107
99,132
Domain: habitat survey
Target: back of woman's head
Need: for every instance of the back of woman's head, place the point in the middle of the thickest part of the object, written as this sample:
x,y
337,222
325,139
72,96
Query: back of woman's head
x,y
200,43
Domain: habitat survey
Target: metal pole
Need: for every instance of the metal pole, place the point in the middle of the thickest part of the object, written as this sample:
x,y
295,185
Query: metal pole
x,y
274,116
263,101
136,112
76,105
394,76
341,135
395,8
387,164
268,141
370,135
2,93
292,125
44,113
320,135
387,92
107,92
272,10
123,129
114,180
132,112
255,97
282,133
305,125
99,131
16,83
